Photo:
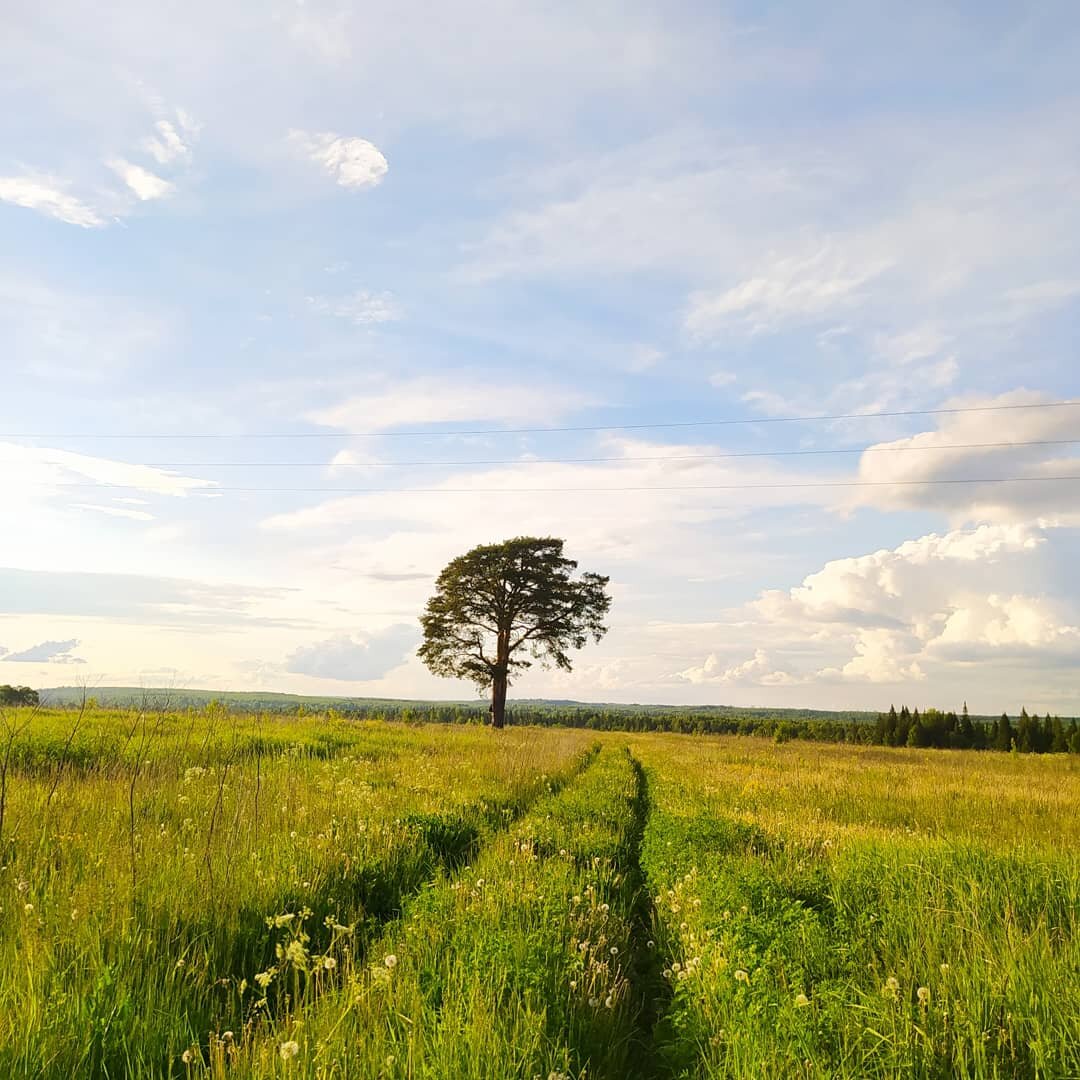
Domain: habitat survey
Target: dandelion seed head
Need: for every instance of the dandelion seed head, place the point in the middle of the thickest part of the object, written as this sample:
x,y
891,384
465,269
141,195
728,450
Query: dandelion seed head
x,y
289,1049
801,1000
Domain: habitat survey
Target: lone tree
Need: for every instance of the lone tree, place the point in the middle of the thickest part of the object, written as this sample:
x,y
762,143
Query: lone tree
x,y
501,606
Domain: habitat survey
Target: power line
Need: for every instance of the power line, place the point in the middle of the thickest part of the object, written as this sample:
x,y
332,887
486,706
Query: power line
x,y
553,430
591,490
575,460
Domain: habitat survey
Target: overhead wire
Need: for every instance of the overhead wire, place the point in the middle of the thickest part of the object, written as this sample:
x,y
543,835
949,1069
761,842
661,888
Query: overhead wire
x,y
580,460
722,422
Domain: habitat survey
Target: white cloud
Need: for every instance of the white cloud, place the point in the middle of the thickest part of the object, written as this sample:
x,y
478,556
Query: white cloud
x,y
144,184
172,142
931,608
37,471
351,659
352,162
114,511
757,671
720,379
362,308
46,652
434,399
918,464
780,291
47,196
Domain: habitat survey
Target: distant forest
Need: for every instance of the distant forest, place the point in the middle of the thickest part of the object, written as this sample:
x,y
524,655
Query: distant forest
x,y
932,728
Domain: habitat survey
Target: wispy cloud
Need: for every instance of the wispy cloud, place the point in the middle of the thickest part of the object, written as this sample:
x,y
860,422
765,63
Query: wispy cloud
x,y
442,399
50,197
47,652
145,185
361,308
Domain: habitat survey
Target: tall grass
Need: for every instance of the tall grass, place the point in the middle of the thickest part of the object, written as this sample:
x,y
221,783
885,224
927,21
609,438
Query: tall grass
x,y
196,893
837,912
135,892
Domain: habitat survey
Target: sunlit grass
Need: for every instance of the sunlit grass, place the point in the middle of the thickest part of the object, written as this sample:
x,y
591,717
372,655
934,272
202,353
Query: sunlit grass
x,y
192,894
833,911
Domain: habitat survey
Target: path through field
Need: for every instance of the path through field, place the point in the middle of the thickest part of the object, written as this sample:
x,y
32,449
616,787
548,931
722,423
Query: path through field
x,y
201,894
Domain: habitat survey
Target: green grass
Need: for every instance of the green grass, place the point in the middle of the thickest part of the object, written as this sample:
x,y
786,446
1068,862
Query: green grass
x,y
202,894
845,913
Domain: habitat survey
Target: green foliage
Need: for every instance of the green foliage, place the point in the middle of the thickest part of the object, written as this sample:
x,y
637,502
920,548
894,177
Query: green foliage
x,y
499,607
18,695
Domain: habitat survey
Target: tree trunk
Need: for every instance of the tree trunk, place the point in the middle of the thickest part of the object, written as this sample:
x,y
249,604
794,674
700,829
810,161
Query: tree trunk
x,y
498,700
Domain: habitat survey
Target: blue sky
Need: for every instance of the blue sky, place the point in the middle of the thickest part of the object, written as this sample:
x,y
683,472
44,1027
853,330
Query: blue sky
x,y
272,225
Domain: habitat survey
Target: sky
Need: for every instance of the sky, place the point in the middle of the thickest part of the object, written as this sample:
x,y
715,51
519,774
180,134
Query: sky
x,y
300,300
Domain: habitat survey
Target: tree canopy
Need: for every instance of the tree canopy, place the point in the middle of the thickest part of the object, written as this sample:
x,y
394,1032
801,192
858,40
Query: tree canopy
x,y
500,607
18,695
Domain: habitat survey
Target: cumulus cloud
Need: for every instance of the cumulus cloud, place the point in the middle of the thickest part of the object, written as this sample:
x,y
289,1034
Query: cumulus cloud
x,y
348,658
145,185
48,196
973,446
899,615
756,671
46,652
352,162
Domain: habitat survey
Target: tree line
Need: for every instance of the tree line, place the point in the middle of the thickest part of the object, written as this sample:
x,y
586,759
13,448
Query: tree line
x,y
931,729
947,731
18,695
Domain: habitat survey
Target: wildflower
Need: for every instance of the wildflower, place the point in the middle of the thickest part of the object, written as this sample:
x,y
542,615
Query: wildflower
x,y
742,976
265,978
329,963
295,953
801,1000
923,994
667,973
609,1001
227,1036
605,908
28,908
573,984
390,960
944,969
289,1049
614,950
187,1057
650,944
676,966
593,1002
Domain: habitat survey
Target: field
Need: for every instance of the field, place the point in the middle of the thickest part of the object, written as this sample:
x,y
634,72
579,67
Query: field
x,y
199,893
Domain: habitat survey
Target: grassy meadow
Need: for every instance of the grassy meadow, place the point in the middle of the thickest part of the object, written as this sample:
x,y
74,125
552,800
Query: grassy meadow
x,y
203,893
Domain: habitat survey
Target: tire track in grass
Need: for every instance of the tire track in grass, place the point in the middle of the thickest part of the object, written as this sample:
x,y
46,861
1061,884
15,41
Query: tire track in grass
x,y
653,990
366,891
518,966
